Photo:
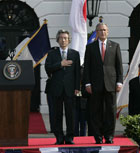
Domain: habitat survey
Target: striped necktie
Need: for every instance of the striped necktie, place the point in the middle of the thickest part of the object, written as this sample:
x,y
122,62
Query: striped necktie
x,y
64,55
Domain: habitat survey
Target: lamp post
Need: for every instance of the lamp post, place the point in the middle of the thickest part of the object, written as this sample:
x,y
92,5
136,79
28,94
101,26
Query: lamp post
x,y
92,9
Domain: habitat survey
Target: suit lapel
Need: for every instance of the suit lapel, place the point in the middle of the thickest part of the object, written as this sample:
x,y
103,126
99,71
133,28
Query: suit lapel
x,y
138,81
69,54
97,49
108,47
58,54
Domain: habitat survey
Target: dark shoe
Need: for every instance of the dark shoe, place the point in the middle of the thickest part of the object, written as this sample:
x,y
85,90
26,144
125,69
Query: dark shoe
x,y
59,141
69,140
99,140
109,141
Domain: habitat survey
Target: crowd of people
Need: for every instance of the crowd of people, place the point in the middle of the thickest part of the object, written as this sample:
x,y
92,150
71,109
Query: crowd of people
x,y
88,92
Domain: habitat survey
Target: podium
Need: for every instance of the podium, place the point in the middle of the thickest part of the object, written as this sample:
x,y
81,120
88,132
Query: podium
x,y
16,82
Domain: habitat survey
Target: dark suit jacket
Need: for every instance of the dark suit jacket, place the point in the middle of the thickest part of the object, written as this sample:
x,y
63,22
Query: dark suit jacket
x,y
134,96
67,78
98,73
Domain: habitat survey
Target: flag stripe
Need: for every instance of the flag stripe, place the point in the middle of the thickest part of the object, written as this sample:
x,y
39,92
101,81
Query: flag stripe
x,y
85,10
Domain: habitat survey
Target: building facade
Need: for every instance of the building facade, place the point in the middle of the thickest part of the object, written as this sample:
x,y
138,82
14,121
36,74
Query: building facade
x,y
116,14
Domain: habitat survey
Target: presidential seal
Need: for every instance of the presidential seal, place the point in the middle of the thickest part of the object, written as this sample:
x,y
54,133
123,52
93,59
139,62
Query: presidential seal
x,y
12,70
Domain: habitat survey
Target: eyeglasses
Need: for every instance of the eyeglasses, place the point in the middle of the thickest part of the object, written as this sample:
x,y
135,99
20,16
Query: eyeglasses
x,y
63,38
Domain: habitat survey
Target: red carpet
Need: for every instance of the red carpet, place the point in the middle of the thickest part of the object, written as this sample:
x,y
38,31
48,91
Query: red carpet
x,y
79,142
36,124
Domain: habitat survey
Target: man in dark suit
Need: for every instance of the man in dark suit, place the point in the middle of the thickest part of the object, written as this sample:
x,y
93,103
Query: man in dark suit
x,y
103,74
63,64
134,95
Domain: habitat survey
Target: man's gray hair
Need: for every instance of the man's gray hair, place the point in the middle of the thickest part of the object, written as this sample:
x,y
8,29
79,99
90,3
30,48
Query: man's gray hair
x,y
99,24
60,32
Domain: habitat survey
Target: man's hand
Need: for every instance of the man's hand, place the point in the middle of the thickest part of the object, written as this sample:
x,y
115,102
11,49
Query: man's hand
x,y
65,62
76,92
88,89
118,88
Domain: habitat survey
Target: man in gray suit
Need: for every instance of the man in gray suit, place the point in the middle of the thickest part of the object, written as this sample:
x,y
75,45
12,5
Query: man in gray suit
x,y
103,74
63,64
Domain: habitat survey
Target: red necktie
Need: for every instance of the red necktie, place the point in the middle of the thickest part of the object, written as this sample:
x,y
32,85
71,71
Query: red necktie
x,y
103,51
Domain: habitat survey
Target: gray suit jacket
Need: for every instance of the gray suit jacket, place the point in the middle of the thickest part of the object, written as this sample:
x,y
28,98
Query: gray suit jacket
x,y
100,73
67,78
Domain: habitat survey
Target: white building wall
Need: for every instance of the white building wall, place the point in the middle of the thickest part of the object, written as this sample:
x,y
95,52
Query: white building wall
x,y
115,14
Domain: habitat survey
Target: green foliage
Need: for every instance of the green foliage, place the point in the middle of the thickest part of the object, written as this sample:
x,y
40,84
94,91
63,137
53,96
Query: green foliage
x,y
132,126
